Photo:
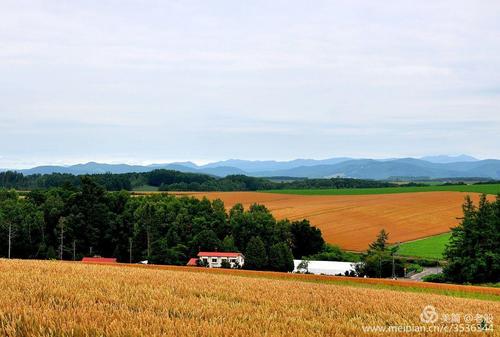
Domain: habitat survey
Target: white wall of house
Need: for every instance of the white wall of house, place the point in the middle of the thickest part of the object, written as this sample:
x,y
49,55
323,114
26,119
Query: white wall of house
x,y
216,261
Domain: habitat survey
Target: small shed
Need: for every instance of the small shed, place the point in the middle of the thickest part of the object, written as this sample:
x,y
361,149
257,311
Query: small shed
x,y
193,262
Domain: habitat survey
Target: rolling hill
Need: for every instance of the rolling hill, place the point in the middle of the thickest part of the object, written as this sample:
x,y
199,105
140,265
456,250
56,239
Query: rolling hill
x,y
435,167
407,167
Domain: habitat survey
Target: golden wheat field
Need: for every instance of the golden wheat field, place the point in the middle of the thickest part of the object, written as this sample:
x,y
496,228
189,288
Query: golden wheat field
x,y
48,298
353,221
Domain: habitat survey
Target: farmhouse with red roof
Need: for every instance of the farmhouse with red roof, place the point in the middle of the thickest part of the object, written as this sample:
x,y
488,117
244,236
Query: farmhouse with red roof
x,y
215,259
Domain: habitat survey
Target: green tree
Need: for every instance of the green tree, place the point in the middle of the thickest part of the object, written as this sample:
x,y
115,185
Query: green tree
x,y
219,218
145,219
53,208
307,239
120,229
51,253
255,254
172,237
205,240
257,221
378,260
380,243
11,218
281,257
228,244
87,217
474,250
163,254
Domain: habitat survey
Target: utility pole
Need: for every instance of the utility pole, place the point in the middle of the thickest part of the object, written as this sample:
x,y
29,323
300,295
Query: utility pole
x,y
10,238
61,248
393,251
74,250
148,234
90,251
393,267
130,250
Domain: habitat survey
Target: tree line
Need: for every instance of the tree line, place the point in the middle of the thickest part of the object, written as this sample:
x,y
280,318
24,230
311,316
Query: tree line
x,y
71,222
169,180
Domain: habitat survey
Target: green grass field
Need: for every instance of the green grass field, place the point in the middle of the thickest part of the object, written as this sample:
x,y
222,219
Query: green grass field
x,y
430,248
488,189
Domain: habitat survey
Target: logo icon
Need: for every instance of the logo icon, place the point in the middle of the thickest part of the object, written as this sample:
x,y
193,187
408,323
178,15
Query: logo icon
x,y
429,315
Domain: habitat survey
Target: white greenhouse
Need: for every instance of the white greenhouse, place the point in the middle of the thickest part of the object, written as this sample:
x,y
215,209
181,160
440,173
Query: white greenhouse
x,y
325,267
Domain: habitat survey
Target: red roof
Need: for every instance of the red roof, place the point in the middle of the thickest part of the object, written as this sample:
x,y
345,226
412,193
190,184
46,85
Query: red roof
x,y
192,262
99,259
219,254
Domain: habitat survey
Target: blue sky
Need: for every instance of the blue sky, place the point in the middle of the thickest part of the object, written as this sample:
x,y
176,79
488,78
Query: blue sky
x,y
157,81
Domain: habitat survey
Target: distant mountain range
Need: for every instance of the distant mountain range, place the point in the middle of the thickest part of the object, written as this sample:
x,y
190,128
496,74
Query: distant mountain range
x,y
426,167
449,159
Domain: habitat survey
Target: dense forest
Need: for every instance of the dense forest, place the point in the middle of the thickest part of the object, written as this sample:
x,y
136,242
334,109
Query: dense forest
x,y
168,180
71,222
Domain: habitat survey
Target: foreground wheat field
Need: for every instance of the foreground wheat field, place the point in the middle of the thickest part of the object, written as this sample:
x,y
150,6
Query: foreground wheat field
x,y
353,221
48,298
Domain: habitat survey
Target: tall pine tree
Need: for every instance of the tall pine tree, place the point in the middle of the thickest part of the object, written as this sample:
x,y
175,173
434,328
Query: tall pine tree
x,y
255,254
474,250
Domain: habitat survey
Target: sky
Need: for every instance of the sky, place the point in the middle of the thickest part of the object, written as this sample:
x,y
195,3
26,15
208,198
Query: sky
x,y
159,81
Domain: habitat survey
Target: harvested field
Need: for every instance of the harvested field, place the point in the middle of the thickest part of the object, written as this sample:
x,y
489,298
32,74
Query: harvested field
x,y
482,188
353,221
45,298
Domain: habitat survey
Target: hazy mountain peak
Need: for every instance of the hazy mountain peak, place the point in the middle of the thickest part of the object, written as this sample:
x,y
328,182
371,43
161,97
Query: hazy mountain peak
x,y
444,159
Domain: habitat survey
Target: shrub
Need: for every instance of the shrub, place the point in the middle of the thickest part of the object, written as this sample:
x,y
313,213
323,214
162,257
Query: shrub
x,y
416,268
436,278
225,264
